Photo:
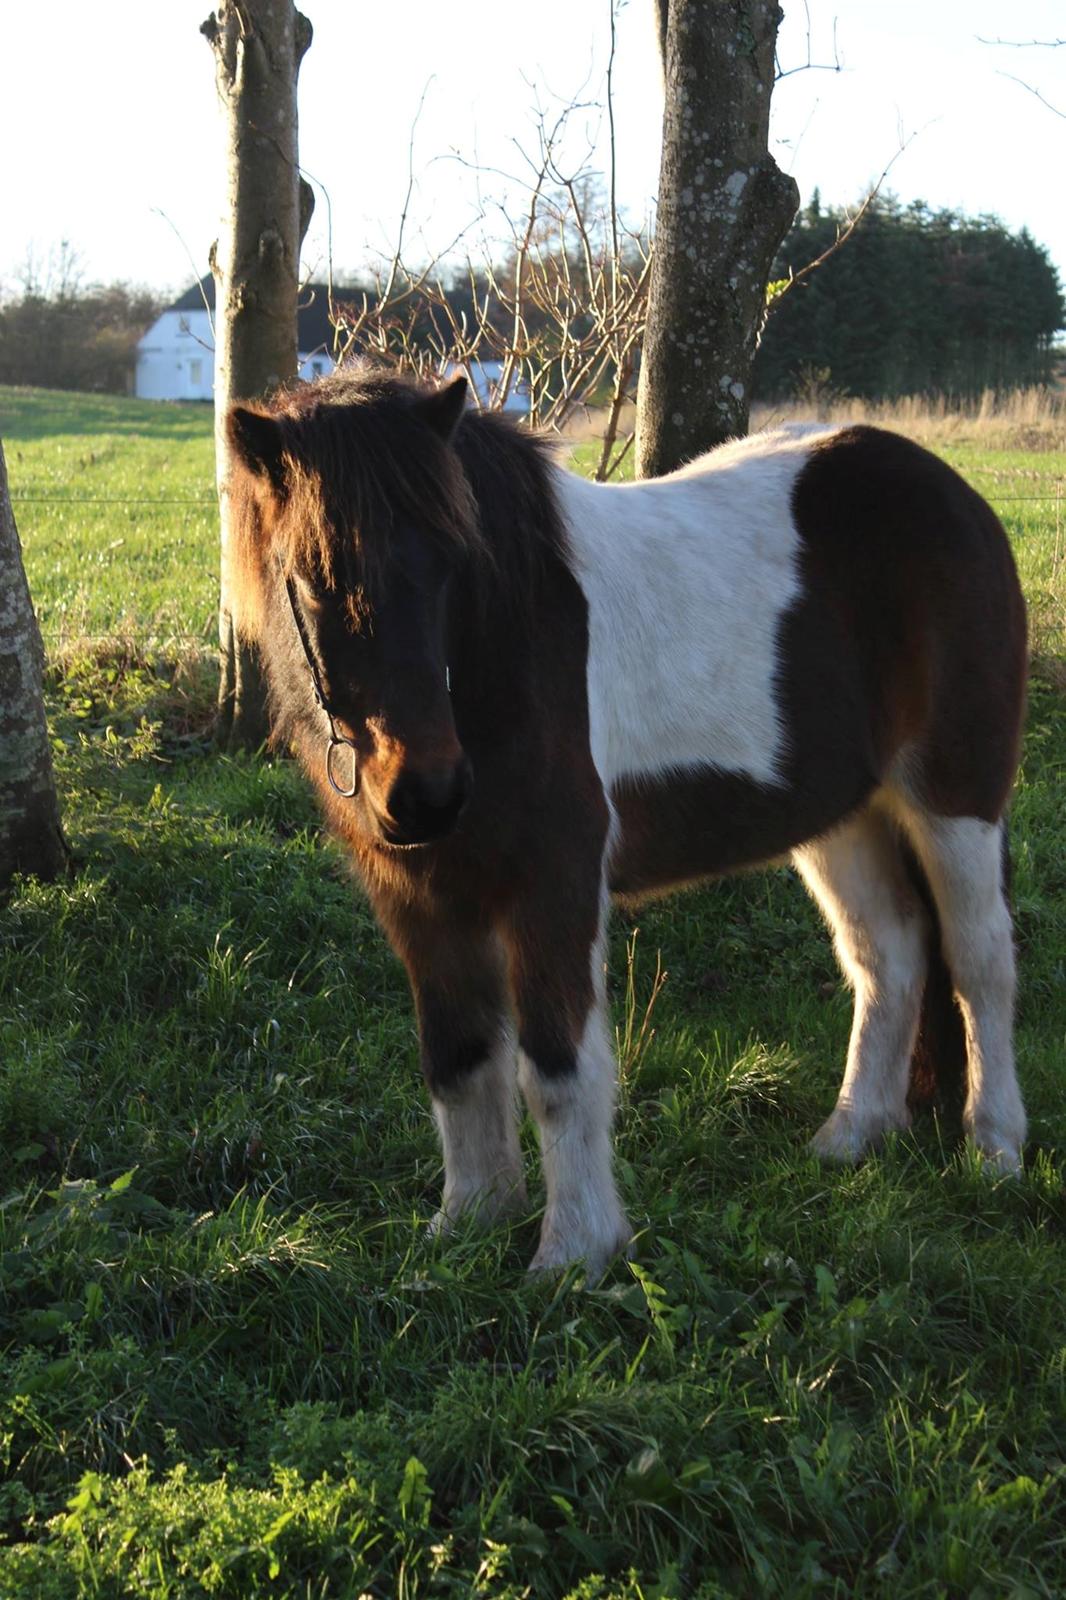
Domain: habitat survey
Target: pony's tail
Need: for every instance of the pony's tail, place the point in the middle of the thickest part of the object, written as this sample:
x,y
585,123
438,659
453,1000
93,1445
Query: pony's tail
x,y
938,1063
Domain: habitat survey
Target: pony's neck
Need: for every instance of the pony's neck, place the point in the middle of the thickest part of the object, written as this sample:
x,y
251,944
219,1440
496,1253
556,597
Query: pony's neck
x,y
513,478
518,620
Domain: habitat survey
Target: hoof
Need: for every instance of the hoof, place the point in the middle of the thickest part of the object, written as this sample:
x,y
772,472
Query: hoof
x,y
845,1138
1002,1155
480,1207
999,1139
592,1249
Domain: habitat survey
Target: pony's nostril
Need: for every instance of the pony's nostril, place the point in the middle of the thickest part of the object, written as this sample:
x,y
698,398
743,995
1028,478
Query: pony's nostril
x,y
436,791
425,805
445,789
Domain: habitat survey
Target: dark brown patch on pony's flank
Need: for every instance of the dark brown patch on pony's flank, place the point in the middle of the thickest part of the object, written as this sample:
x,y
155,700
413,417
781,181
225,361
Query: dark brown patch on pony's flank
x,y
920,569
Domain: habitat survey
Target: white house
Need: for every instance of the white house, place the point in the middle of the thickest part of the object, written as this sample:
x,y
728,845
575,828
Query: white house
x,y
486,375
176,357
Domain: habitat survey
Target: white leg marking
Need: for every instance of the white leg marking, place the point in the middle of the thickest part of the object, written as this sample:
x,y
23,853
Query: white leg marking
x,y
962,860
583,1218
479,1135
879,929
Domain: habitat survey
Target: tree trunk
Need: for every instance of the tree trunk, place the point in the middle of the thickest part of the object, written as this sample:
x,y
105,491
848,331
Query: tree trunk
x,y
31,837
258,46
724,208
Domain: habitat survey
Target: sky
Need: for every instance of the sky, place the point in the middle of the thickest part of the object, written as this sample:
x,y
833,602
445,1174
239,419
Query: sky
x,y
113,135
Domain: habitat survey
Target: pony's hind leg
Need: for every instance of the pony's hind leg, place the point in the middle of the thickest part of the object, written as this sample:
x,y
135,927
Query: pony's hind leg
x,y
963,859
469,1060
858,877
567,1073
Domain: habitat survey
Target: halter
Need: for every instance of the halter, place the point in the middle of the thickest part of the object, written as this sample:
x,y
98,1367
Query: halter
x,y
335,739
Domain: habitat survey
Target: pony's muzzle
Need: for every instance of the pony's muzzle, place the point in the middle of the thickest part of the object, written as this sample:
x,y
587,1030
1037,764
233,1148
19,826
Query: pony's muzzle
x,y
425,804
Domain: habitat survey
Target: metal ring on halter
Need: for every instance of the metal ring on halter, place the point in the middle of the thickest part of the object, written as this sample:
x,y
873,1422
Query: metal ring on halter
x,y
333,744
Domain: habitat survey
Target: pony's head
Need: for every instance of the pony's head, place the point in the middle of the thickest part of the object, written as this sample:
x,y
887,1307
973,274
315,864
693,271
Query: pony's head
x,y
350,515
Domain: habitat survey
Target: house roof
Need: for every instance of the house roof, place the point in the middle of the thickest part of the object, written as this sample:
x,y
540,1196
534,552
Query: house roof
x,y
313,331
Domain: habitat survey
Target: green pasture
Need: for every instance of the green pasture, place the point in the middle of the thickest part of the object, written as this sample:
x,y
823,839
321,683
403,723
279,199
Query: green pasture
x,y
231,1364
116,507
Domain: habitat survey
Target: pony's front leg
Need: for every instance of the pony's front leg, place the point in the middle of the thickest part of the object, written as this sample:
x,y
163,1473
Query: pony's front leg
x,y
567,1072
468,1052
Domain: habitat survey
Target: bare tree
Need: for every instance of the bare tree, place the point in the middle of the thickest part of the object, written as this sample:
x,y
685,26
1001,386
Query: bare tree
x,y
31,837
1030,44
724,208
258,46
557,311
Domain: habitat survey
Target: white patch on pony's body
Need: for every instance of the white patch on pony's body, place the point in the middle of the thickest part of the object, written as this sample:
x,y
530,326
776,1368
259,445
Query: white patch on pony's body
x,y
687,580
479,1138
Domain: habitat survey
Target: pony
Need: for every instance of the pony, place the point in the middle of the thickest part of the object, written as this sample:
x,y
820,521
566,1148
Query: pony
x,y
519,693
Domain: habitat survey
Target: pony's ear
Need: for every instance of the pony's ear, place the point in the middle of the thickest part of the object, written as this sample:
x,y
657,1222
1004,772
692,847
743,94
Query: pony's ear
x,y
257,442
442,410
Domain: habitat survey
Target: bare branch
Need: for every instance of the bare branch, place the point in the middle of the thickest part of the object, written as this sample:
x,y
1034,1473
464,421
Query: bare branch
x,y
1024,44
554,315
620,457
309,178
192,262
810,65
612,8
410,190
1034,91
844,233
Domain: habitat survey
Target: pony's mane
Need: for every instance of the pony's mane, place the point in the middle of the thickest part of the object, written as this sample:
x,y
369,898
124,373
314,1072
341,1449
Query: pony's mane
x,y
357,457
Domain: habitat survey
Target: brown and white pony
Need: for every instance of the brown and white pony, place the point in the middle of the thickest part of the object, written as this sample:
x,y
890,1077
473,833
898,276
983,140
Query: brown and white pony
x,y
519,692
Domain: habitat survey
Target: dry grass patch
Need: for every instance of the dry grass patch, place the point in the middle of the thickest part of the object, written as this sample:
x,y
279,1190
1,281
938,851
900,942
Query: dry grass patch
x,y
1023,419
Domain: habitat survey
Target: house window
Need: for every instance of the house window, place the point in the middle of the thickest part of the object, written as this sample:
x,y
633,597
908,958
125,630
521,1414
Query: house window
x,y
196,373
316,369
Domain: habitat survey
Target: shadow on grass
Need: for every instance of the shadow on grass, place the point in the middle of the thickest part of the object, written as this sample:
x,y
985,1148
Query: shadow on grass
x,y
30,415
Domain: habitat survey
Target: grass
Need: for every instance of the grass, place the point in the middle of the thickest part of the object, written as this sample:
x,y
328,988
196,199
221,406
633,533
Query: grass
x,y
230,1361
114,497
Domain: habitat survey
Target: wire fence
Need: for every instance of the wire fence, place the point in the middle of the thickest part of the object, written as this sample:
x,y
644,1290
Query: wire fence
x,y
112,500
209,500
203,640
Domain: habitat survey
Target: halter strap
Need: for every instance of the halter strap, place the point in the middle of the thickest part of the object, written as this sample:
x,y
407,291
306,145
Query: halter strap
x,y
335,740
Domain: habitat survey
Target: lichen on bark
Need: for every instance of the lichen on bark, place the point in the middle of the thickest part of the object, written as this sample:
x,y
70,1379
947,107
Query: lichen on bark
x,y
31,835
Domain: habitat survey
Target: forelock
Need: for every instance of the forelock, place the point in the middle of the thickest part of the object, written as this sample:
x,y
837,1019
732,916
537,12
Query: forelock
x,y
358,460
